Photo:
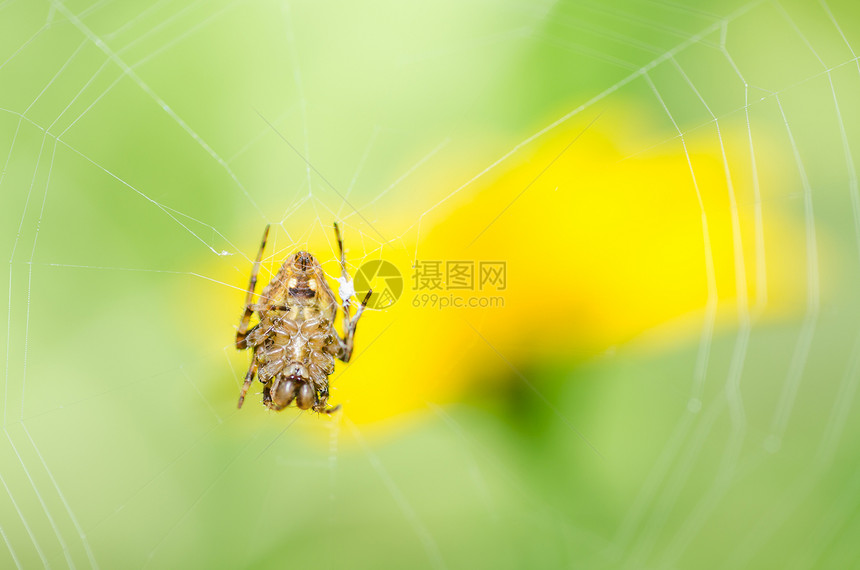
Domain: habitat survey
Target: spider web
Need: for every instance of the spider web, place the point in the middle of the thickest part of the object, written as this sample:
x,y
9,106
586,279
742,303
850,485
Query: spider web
x,y
143,149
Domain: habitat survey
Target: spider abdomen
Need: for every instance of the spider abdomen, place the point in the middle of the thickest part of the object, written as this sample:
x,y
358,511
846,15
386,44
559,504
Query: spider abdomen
x,y
294,348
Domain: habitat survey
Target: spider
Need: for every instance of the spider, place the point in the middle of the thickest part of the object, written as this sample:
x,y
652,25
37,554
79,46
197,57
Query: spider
x,y
295,343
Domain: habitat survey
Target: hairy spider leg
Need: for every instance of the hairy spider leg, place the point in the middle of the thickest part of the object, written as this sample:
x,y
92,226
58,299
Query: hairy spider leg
x,y
349,323
349,340
343,271
322,402
242,331
249,377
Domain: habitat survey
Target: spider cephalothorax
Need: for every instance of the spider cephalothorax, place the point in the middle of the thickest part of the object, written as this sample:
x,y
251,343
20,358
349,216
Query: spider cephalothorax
x,y
295,343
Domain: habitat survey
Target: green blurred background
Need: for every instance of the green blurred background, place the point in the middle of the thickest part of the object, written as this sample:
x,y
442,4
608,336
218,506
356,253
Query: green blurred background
x,y
585,424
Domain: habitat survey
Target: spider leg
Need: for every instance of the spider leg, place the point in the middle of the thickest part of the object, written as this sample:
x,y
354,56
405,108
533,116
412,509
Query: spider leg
x,y
343,271
327,411
349,322
242,331
322,402
249,377
348,341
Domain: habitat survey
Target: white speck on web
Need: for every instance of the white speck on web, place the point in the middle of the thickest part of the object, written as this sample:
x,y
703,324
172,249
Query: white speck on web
x,y
346,289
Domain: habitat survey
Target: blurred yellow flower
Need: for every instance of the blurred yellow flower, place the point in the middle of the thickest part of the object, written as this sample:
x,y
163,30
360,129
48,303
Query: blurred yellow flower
x,y
599,248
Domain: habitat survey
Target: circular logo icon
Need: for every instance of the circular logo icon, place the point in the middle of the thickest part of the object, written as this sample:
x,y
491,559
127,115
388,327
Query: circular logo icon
x,y
385,280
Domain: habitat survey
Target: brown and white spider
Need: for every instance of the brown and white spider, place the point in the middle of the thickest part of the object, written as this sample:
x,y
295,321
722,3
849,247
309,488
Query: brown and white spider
x,y
295,343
